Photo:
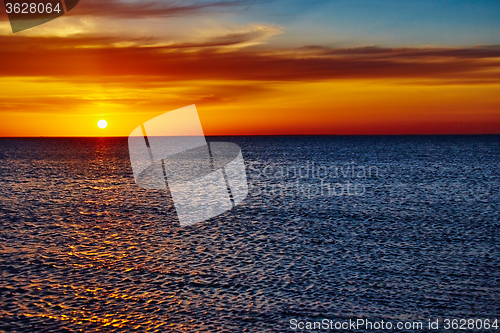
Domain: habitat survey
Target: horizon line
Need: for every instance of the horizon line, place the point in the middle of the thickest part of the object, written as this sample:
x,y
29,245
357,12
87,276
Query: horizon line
x,y
254,135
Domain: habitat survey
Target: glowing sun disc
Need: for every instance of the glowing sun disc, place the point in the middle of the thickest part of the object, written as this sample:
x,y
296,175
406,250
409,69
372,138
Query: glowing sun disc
x,y
102,123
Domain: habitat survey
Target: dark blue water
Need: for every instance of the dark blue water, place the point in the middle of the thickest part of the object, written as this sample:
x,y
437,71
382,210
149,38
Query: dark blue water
x,y
381,228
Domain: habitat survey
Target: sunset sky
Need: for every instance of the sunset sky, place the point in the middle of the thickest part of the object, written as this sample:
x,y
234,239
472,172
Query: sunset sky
x,y
256,67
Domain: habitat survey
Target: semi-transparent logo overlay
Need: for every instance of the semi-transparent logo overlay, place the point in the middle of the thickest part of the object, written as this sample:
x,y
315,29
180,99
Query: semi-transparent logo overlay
x,y
170,152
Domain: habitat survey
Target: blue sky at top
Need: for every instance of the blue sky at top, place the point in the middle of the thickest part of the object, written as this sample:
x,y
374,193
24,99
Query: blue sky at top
x,y
387,22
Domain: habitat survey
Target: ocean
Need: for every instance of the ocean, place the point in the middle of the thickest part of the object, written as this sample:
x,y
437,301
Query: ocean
x,y
393,228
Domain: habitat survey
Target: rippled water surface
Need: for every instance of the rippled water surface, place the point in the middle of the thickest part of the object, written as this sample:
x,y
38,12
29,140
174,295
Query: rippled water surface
x,y
392,228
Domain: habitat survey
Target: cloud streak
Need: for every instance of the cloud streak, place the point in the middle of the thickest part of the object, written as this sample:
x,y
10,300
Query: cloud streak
x,y
145,9
102,56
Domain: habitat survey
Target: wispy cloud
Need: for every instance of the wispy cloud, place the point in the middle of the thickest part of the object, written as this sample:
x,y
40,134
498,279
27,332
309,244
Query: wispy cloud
x,y
142,9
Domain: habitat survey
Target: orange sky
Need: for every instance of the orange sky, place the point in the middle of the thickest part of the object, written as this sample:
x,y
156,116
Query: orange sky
x,y
59,79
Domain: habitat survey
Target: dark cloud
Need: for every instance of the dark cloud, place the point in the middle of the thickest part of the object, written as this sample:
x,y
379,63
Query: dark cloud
x,y
486,51
204,61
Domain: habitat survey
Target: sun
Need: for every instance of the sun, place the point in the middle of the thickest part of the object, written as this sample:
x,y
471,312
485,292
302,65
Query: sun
x,y
102,123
